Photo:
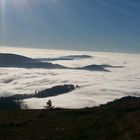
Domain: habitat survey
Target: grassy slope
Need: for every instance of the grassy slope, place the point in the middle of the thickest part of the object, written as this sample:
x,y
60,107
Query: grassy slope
x,y
118,120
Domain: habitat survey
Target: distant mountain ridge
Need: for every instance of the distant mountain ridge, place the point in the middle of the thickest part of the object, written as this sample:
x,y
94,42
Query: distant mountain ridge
x,y
68,57
8,58
14,60
19,61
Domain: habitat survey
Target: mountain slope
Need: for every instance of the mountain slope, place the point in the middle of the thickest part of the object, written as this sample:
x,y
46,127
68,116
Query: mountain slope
x,y
14,60
19,61
118,120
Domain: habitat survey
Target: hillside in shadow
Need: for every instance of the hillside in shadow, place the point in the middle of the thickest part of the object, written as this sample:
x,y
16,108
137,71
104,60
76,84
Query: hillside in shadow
x,y
118,120
9,103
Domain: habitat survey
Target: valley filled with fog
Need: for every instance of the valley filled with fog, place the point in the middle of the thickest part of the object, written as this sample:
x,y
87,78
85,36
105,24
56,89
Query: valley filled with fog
x,y
119,77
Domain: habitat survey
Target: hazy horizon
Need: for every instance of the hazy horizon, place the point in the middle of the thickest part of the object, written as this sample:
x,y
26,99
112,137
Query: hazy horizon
x,y
11,48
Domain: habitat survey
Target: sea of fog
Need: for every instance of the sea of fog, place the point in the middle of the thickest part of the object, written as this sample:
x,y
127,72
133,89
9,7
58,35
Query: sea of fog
x,y
97,87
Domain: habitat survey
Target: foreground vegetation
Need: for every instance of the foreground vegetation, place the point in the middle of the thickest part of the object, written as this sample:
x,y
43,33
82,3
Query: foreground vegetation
x,y
118,120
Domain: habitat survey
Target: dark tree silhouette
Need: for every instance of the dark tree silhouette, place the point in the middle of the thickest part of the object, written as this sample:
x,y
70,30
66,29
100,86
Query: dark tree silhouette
x,y
8,103
49,105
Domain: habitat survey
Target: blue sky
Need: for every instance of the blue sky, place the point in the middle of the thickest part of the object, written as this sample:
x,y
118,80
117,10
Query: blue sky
x,y
100,25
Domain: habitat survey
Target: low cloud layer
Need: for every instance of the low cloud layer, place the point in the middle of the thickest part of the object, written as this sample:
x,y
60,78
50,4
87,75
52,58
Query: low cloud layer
x,y
96,87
